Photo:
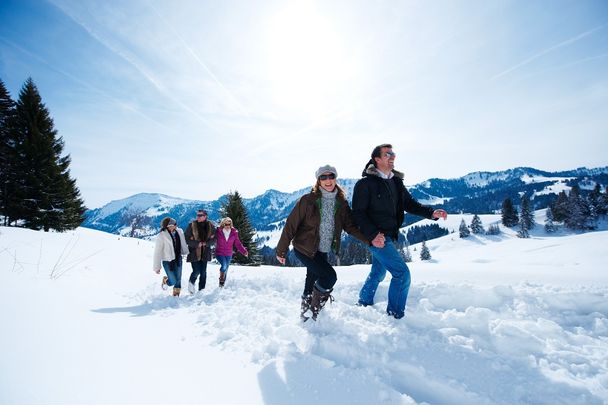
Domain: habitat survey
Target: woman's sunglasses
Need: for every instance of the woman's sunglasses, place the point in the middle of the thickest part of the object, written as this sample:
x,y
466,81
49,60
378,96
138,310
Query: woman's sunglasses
x,y
330,176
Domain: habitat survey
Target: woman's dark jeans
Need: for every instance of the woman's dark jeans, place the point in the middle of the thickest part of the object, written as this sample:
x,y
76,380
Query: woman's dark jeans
x,y
318,271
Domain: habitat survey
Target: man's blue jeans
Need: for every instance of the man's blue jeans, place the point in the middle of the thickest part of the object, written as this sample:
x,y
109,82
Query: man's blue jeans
x,y
175,275
199,268
383,259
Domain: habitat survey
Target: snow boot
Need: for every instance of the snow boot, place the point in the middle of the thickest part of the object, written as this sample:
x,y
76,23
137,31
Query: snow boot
x,y
305,306
318,301
191,289
222,278
176,291
164,284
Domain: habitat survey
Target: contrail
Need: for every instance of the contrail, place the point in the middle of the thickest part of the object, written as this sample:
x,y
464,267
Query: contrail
x,y
564,66
85,84
161,89
546,51
199,61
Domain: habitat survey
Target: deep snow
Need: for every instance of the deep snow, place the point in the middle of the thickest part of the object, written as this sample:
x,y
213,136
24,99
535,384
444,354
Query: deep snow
x,y
489,320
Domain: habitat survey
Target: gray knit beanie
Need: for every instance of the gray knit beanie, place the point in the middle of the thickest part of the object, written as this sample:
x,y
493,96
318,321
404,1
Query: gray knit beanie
x,y
326,169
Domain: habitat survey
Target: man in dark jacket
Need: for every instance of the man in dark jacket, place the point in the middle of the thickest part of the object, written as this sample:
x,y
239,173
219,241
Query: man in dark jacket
x,y
199,236
380,200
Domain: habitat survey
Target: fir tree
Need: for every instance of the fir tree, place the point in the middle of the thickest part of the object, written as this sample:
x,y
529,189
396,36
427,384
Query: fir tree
x,y
510,217
476,226
549,225
464,229
425,253
352,251
235,209
493,229
48,195
527,214
576,218
8,159
523,231
594,206
603,204
560,207
407,255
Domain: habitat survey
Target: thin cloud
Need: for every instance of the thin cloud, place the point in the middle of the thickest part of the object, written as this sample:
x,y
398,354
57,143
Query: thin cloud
x,y
546,51
133,62
84,84
564,66
199,61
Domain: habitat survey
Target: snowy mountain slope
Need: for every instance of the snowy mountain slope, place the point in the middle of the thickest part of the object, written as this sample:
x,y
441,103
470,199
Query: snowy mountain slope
x,y
480,192
489,320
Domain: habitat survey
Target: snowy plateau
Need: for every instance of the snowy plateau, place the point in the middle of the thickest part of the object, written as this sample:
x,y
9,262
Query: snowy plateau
x,y
490,320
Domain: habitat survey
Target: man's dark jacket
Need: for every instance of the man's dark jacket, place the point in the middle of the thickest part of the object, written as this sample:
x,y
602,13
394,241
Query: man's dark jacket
x,y
197,232
376,210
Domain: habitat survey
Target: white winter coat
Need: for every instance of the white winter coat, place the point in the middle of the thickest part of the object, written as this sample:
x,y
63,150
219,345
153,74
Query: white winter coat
x,y
163,250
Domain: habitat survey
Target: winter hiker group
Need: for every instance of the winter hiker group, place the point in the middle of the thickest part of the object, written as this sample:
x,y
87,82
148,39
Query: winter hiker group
x,y
172,243
314,228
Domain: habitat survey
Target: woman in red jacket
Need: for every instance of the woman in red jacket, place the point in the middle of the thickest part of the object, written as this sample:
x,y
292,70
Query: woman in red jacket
x,y
226,238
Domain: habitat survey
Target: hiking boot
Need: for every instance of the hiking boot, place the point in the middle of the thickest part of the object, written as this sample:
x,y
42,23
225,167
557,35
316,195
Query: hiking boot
x,y
305,306
191,289
176,291
222,278
164,284
318,301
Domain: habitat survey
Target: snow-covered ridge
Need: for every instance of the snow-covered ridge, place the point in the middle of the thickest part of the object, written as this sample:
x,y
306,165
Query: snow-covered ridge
x,y
151,203
140,215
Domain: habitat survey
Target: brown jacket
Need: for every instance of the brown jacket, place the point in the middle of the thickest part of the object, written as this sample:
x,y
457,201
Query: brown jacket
x,y
193,238
302,226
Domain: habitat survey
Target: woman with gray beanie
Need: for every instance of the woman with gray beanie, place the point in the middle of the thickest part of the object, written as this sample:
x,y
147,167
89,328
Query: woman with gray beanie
x,y
168,250
314,227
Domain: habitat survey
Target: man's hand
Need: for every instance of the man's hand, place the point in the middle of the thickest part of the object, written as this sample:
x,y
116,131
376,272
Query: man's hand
x,y
281,260
440,214
378,241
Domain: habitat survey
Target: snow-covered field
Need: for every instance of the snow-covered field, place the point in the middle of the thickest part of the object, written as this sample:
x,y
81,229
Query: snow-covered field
x,y
490,320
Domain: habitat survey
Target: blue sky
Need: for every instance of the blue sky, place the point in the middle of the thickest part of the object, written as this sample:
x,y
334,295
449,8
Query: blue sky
x,y
197,98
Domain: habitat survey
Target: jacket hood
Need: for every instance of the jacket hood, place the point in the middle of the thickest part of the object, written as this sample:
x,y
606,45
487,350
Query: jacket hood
x,y
371,170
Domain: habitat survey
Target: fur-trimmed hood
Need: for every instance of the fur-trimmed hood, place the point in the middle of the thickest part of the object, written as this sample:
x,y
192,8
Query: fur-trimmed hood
x,y
371,170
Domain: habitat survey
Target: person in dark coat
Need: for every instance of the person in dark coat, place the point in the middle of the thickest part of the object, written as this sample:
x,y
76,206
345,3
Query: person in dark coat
x,y
200,234
380,200
315,226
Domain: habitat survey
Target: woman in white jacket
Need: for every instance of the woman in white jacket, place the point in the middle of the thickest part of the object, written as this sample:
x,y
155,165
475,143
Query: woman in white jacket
x,y
169,248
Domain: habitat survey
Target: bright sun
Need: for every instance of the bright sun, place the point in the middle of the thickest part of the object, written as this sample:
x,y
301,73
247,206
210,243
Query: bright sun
x,y
306,61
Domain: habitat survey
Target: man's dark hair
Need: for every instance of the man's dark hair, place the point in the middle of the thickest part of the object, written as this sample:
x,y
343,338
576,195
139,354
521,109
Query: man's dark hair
x,y
378,149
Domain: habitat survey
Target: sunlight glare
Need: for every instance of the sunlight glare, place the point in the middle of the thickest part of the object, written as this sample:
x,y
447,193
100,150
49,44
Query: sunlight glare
x,y
306,61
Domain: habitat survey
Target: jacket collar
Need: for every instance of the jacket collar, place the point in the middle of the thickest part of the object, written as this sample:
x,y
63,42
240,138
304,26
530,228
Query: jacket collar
x,y
371,170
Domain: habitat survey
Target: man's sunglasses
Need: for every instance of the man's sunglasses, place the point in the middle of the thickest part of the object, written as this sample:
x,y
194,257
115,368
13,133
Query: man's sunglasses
x,y
330,176
201,215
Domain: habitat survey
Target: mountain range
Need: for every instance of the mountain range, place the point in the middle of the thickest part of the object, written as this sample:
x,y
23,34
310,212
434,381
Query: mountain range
x,y
478,192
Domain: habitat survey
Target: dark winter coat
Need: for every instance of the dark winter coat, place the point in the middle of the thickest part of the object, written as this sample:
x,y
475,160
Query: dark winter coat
x,y
302,225
376,209
193,237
